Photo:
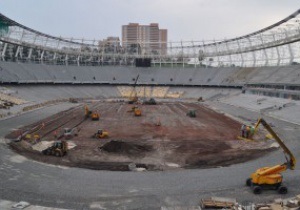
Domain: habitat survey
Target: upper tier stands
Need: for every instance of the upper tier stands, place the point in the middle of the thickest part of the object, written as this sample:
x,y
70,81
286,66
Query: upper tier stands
x,y
11,72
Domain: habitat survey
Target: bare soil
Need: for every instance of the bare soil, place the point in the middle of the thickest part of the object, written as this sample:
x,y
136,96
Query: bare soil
x,y
208,140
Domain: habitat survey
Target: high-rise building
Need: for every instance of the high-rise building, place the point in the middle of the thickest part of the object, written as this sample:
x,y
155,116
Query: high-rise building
x,y
144,39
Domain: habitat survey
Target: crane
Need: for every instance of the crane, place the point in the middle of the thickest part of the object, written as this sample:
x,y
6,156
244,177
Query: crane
x,y
133,95
270,177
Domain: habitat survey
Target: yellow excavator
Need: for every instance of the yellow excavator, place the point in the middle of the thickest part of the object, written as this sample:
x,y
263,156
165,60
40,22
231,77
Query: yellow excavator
x,y
92,114
270,177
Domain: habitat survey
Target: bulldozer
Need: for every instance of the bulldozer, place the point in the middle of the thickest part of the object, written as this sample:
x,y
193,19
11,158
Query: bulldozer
x,y
101,134
270,177
58,149
95,116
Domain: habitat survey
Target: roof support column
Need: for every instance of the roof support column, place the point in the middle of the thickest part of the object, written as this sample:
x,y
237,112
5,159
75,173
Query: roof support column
x,y
229,55
290,48
277,51
217,53
42,56
264,50
4,51
29,54
17,52
253,52
240,51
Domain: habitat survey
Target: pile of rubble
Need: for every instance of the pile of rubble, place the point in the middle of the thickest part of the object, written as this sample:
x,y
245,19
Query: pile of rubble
x,y
280,204
126,148
229,203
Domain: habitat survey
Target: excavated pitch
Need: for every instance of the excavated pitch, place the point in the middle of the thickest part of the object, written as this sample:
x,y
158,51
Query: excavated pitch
x,y
208,140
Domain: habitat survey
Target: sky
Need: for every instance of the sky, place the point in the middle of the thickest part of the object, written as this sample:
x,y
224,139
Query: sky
x,y
186,20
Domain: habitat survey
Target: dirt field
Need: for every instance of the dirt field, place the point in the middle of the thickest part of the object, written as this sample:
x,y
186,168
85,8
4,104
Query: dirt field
x,y
208,140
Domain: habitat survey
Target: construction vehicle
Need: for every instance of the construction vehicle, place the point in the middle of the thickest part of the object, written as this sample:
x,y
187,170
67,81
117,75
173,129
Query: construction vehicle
x,y
200,99
32,138
73,100
270,177
248,132
68,133
191,113
95,116
87,111
58,149
136,111
91,114
151,101
133,95
101,134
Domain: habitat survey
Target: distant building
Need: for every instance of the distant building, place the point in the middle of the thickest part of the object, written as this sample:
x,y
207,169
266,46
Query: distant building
x,y
144,39
110,45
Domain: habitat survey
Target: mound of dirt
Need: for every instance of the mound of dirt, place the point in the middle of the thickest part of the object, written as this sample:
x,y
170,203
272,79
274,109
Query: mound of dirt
x,y
126,148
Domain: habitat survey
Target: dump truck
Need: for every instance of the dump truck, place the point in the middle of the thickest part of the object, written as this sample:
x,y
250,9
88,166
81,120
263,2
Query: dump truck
x,y
270,177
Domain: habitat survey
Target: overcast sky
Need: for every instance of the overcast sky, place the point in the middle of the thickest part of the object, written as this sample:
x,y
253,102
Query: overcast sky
x,y
185,19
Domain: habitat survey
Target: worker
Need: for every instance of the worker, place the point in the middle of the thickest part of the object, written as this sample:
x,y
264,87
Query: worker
x,y
158,123
247,132
243,129
55,134
252,131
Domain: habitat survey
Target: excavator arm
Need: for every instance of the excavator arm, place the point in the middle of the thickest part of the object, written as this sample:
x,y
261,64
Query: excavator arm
x,y
270,177
86,110
273,170
133,95
291,160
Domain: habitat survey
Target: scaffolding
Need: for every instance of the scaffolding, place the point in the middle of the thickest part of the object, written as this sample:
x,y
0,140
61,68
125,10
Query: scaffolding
x,y
275,45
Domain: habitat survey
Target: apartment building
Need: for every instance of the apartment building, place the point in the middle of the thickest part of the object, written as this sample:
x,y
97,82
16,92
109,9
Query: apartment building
x,y
144,39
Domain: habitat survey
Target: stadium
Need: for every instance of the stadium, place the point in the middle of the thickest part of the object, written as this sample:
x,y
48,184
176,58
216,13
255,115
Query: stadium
x,y
182,148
